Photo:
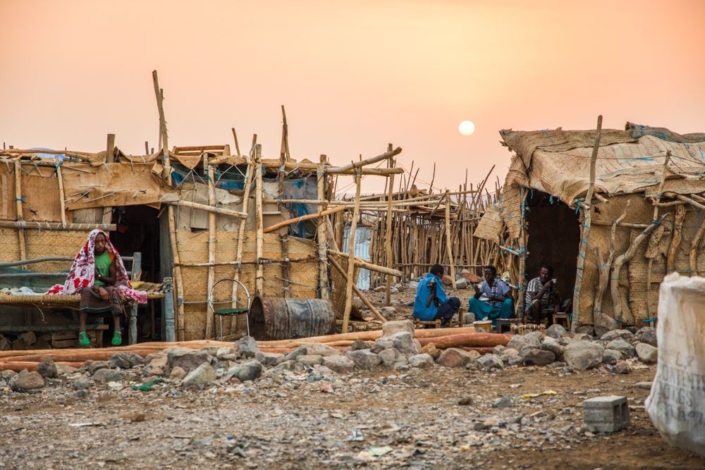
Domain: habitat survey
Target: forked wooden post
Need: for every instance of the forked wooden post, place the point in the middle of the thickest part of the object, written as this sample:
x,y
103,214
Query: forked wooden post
x,y
321,231
351,256
178,279
259,277
212,242
585,232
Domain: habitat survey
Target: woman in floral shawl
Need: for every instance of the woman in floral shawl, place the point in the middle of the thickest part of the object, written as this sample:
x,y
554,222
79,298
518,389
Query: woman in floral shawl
x,y
99,275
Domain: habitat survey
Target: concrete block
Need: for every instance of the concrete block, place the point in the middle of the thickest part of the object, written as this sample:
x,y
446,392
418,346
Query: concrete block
x,y
606,414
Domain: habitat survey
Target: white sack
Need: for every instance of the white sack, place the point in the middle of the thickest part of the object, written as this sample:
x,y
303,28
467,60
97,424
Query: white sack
x,y
676,403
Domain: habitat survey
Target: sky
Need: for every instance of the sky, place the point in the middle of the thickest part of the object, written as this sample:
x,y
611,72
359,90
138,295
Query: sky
x,y
354,75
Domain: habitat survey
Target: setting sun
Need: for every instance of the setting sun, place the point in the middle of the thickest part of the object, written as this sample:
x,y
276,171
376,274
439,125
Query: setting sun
x,y
466,127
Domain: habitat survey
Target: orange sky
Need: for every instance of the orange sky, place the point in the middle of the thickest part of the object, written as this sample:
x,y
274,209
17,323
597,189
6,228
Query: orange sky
x,y
353,74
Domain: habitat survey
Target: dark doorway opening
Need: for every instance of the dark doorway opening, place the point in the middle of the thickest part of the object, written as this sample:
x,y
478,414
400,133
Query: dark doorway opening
x,y
137,230
554,239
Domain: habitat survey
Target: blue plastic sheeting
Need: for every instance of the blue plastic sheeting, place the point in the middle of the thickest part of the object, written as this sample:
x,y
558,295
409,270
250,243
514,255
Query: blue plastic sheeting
x,y
363,241
301,188
232,178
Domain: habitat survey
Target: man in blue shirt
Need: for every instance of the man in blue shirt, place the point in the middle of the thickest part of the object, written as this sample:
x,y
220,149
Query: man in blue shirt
x,y
492,299
431,302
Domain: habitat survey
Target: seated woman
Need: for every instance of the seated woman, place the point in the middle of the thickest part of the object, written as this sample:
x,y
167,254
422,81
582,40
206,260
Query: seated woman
x,y
99,275
491,299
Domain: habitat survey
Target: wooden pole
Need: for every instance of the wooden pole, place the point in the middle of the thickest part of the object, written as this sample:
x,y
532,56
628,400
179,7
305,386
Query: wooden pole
x,y
21,232
62,195
169,200
178,279
109,158
388,235
351,256
360,263
361,163
146,147
656,201
237,145
212,242
449,240
259,278
357,291
284,241
321,232
296,220
585,232
241,234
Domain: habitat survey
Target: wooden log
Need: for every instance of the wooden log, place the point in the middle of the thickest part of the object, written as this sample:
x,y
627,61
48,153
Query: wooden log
x,y
449,242
364,264
21,232
475,340
585,228
676,239
241,234
62,195
259,190
321,233
173,200
357,291
351,256
57,226
620,260
212,246
296,220
171,220
604,267
361,163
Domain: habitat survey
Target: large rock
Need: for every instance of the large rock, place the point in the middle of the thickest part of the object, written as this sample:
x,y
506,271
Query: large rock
x,y
454,357
296,353
611,357
226,354
392,357
431,350
271,359
622,346
156,364
391,327
200,376
125,360
47,369
81,383
321,350
422,361
537,357
310,360
647,353
519,342
187,359
28,382
94,366
249,370
402,341
603,324
550,344
247,346
364,359
490,361
623,367
616,334
359,344
556,331
646,335
583,355
388,312
340,364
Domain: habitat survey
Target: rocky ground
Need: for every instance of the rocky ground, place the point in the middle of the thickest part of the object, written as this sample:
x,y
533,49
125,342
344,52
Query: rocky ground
x,y
318,407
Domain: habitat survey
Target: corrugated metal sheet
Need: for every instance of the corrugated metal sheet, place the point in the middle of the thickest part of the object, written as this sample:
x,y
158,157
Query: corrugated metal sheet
x,y
363,239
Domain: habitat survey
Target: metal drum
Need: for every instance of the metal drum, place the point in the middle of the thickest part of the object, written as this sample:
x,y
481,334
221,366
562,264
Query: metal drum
x,y
273,318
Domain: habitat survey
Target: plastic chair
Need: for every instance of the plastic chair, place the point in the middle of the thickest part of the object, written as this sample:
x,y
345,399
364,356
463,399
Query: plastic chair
x,y
230,311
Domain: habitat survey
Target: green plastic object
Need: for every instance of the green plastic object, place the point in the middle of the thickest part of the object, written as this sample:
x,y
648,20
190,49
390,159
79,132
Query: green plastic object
x,y
147,386
230,311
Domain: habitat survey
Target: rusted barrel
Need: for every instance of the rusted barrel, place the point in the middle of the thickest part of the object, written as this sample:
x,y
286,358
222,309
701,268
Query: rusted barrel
x,y
274,318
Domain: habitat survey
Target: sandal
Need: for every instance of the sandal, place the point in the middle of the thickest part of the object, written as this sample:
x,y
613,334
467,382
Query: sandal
x,y
117,339
83,340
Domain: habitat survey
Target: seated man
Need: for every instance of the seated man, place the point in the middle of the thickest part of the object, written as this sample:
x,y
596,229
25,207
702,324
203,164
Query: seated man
x,y
99,275
541,296
431,301
491,299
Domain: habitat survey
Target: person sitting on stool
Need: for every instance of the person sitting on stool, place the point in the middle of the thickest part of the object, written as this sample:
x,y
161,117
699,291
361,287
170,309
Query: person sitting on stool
x,y
492,300
431,301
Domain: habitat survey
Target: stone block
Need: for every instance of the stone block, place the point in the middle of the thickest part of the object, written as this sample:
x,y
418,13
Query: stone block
x,y
606,414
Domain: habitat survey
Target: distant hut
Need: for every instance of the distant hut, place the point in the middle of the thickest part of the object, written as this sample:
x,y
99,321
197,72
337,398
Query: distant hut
x,y
646,216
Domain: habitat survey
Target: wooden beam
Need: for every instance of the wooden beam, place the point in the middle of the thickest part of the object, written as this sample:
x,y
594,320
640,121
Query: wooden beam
x,y
361,163
195,205
19,199
259,190
388,237
351,256
241,235
449,240
357,291
321,235
360,263
295,220
212,244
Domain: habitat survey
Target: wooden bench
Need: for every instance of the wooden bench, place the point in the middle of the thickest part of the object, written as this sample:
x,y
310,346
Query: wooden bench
x,y
71,302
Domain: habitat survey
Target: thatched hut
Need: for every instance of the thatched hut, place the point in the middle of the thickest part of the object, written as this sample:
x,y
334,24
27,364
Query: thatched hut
x,y
646,216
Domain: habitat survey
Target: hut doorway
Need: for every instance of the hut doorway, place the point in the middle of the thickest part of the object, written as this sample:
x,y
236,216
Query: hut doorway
x,y
554,239
137,230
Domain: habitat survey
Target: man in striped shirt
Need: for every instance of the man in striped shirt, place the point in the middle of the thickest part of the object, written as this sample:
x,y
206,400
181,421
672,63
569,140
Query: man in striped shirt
x,y
541,296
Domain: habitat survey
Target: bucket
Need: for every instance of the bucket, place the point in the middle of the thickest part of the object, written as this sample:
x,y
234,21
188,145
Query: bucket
x,y
483,325
273,318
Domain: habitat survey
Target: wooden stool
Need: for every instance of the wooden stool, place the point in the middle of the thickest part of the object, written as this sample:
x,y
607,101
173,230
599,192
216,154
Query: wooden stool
x,y
562,319
427,324
505,324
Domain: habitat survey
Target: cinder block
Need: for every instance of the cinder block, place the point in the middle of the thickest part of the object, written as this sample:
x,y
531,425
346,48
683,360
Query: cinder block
x,y
606,414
